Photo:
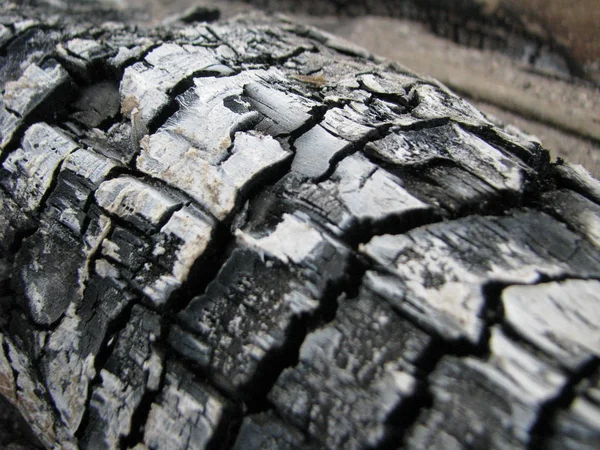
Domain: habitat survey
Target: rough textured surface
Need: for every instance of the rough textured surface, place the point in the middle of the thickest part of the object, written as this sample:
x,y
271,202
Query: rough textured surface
x,y
133,369
187,414
253,235
578,426
580,213
440,271
267,431
560,318
23,97
491,403
361,365
242,328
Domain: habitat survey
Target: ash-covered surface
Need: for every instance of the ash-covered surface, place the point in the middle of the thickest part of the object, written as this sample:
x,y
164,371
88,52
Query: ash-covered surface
x,y
15,433
280,240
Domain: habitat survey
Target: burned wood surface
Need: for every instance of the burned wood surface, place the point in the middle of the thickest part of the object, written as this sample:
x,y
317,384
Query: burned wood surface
x,y
250,234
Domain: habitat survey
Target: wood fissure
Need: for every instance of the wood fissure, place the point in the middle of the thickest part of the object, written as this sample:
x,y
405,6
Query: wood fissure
x,y
264,238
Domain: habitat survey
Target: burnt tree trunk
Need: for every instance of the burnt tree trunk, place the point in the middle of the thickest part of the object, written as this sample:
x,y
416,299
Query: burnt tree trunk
x,y
254,235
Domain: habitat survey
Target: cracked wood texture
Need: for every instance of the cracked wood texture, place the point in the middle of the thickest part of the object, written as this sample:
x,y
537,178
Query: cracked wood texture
x,y
254,235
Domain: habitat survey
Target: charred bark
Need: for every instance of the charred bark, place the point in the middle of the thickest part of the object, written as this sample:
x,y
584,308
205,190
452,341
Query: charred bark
x,y
276,241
